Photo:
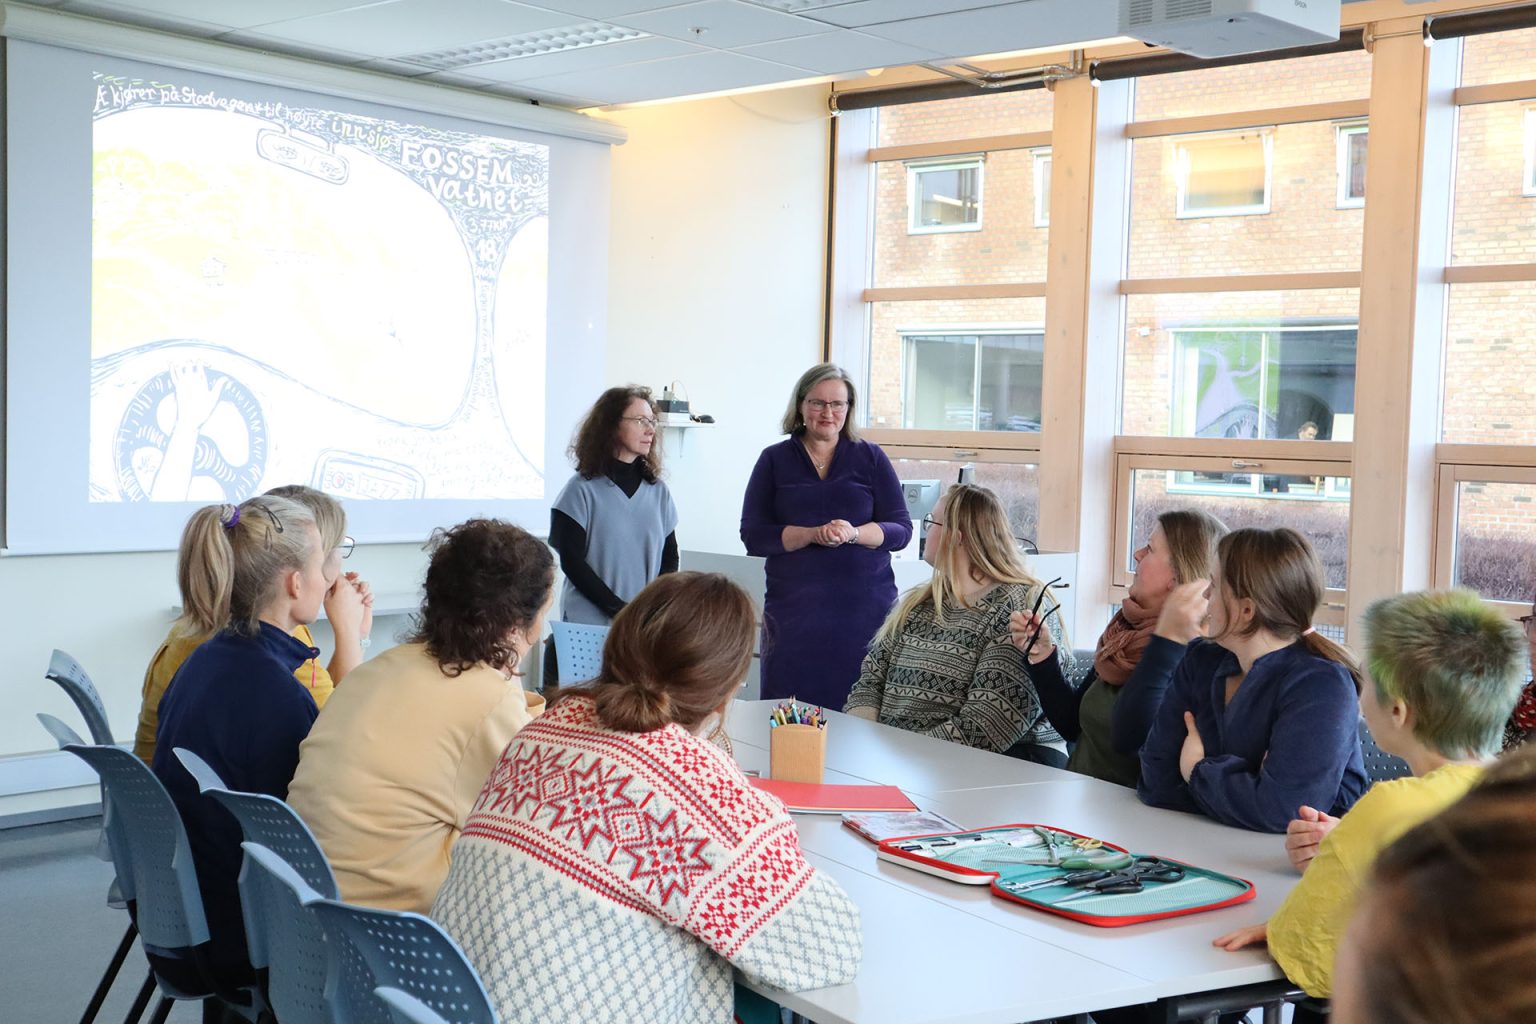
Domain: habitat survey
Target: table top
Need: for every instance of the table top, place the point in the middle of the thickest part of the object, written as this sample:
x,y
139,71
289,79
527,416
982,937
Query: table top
x,y
977,789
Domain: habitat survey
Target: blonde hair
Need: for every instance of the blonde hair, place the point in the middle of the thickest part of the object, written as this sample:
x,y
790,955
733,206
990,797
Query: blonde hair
x,y
232,559
330,517
794,423
975,516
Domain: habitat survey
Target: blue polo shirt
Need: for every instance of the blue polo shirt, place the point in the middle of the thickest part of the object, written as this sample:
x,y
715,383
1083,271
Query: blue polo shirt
x,y
236,704
1289,737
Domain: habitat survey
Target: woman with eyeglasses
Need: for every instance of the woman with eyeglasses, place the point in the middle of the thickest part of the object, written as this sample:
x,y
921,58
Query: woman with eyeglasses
x,y
389,773
1521,724
614,524
825,510
205,590
1109,712
942,664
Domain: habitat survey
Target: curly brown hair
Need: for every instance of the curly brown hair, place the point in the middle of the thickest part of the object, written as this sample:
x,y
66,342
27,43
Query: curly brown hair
x,y
592,446
486,579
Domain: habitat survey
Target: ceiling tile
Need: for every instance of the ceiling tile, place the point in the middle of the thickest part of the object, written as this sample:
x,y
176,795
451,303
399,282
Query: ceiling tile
x,y
837,52
726,24
325,54
1014,26
710,71
586,58
398,27
603,8
229,13
136,14
875,12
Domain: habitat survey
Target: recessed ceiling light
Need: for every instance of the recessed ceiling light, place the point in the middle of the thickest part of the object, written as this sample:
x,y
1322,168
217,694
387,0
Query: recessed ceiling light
x,y
529,44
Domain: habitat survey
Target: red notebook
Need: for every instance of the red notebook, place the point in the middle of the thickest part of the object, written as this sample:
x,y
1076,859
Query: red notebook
x,y
821,798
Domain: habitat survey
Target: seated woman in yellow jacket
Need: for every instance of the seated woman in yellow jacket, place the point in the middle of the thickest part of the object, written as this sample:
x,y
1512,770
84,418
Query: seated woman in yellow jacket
x,y
1445,671
390,771
205,594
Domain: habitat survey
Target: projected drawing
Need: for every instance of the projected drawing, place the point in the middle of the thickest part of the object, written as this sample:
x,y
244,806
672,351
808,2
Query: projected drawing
x,y
285,294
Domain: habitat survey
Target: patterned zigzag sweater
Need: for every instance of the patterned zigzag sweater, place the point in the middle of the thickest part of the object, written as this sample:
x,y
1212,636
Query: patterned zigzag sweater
x,y
615,877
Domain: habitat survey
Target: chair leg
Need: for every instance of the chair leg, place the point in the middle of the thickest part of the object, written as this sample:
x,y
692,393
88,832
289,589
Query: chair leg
x,y
163,1010
105,985
141,1000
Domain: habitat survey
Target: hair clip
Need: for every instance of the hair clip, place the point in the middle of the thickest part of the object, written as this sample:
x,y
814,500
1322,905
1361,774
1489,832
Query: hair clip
x,y
233,520
277,524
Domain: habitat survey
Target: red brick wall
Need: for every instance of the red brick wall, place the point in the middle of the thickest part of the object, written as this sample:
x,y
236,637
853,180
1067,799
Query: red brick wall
x,y
1326,79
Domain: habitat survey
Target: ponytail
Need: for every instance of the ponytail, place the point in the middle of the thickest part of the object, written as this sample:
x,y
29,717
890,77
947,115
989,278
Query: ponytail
x,y
205,570
1322,647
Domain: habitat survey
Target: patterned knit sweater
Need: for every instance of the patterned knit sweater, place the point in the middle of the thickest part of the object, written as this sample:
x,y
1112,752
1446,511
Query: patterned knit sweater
x,y
615,877
961,680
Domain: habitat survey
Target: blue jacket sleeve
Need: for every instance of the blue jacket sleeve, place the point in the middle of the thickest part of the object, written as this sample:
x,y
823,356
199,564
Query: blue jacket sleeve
x,y
1161,785
1141,696
890,504
1310,744
761,532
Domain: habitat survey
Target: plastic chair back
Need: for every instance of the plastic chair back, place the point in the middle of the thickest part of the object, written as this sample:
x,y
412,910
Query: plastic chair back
x,y
150,849
66,671
579,649
1380,766
285,937
405,1008
411,953
270,822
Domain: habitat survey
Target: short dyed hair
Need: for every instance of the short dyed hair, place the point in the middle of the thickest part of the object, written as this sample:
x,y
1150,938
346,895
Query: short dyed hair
x,y
1458,663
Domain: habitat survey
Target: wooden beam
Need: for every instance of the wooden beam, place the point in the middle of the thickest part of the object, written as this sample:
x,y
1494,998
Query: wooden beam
x,y
1340,111
1239,283
942,292
959,147
1501,92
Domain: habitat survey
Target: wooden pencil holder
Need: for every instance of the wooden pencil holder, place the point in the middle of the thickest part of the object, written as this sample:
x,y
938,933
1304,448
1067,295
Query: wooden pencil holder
x,y
797,753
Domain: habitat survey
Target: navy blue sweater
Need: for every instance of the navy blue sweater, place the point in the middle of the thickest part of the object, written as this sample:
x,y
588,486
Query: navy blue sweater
x,y
236,704
1289,737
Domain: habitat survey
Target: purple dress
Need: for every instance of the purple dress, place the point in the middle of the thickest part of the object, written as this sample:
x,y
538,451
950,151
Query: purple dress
x,y
823,605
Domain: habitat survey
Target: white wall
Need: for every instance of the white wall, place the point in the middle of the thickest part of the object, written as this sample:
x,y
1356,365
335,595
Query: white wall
x,y
716,264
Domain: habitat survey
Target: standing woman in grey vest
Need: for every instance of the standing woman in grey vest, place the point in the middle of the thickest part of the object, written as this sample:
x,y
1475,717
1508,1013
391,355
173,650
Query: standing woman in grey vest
x,y
613,524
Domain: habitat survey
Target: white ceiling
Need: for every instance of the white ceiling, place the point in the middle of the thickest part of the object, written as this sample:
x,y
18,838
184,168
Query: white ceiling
x,y
585,53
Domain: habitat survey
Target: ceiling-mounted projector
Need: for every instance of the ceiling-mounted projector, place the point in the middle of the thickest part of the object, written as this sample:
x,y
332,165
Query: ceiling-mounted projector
x,y
1221,28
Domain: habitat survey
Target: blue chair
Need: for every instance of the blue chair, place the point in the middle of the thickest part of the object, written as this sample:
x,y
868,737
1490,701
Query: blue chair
x,y
579,649
156,874
1380,766
408,952
405,1008
73,680
270,822
285,937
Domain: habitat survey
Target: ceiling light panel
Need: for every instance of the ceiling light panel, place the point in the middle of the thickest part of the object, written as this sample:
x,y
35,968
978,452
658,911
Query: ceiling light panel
x,y
528,44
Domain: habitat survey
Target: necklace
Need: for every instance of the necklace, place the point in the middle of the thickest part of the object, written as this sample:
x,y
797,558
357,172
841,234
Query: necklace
x,y
820,464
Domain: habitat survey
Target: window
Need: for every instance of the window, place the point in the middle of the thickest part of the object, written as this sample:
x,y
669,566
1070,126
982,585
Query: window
x,y
1274,384
944,197
1352,142
1042,188
1528,185
954,379
1494,545
1225,174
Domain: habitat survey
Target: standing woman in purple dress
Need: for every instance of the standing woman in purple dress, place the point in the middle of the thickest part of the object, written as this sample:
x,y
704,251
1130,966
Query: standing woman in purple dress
x,y
826,510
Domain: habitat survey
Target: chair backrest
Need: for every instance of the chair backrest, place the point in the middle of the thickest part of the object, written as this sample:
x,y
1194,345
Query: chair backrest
x,y
411,953
66,671
269,821
579,649
1380,766
149,849
405,1008
285,936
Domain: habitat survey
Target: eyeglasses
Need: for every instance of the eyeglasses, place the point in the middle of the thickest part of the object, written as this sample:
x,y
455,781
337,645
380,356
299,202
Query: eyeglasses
x,y
646,422
1055,607
930,521
1528,623
346,546
821,406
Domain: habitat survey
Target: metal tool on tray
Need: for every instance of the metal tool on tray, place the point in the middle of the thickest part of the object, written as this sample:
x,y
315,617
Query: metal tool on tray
x,y
1143,870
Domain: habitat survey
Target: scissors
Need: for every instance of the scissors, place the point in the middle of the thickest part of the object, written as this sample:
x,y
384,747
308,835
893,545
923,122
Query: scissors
x,y
1072,878
1131,879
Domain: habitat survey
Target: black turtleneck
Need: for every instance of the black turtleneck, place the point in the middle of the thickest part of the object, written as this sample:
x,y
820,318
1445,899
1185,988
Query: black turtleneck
x,y
569,540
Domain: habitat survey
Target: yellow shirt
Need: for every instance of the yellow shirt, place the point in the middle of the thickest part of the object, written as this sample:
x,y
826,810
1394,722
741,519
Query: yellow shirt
x,y
1305,932
393,766
168,658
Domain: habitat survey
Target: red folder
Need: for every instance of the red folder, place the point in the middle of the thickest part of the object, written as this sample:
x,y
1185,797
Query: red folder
x,y
822,798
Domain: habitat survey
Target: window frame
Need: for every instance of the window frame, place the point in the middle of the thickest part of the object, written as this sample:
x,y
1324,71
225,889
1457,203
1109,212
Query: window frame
x,y
1458,464
952,330
1343,134
1528,124
1042,169
916,168
1182,168
1132,454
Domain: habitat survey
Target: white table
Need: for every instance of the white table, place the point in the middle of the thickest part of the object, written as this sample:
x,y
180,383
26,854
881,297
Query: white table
x,y
1164,958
